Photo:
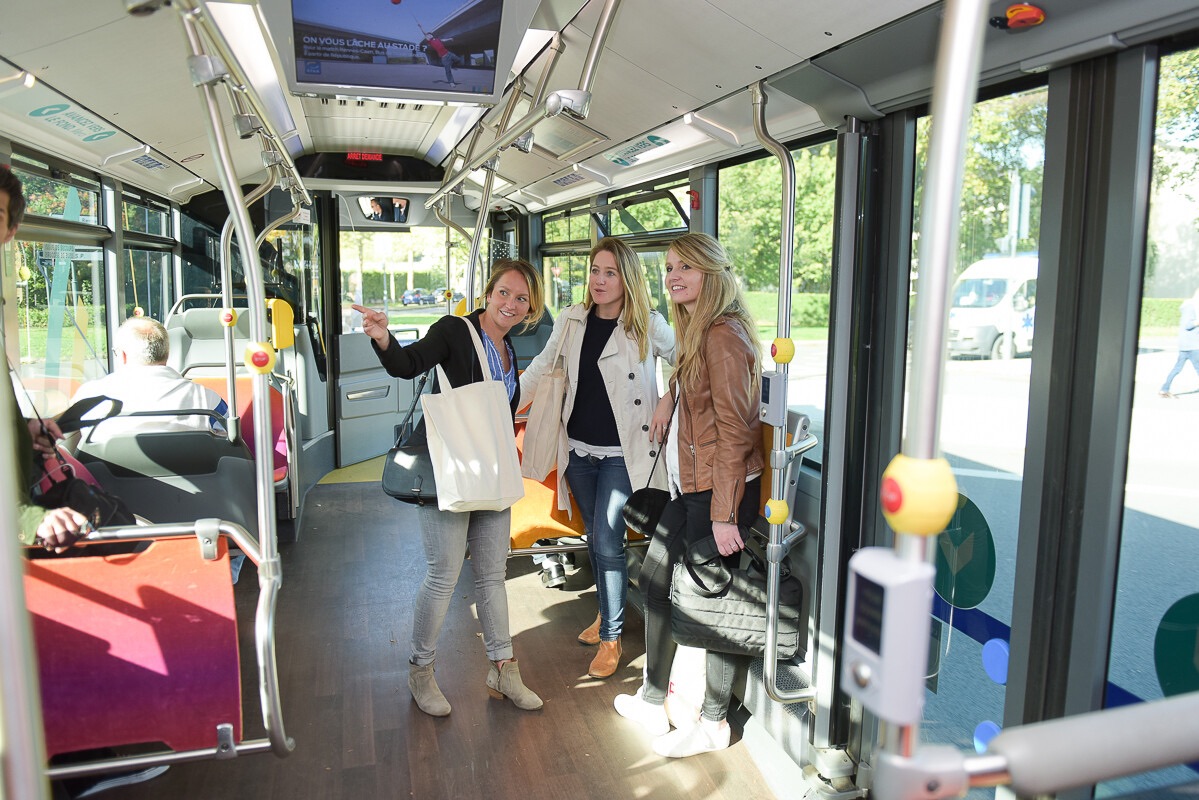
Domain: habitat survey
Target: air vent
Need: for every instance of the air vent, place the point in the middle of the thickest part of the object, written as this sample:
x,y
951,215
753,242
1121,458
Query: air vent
x,y
563,137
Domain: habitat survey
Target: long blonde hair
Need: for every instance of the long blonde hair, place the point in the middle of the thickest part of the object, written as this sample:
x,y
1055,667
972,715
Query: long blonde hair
x,y
636,293
719,296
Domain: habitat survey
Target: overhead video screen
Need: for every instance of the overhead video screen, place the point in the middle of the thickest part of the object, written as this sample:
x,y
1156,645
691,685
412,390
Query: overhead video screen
x,y
404,45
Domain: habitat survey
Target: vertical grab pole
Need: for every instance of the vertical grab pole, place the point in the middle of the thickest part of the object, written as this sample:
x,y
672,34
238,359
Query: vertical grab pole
x,y
233,428
24,754
919,493
489,182
206,72
777,511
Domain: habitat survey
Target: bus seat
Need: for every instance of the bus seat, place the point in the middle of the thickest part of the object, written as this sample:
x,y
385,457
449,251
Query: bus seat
x,y
528,344
176,476
245,410
536,515
197,339
135,648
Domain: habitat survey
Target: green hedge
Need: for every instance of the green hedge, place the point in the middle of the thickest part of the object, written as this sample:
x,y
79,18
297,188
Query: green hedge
x,y
372,284
807,310
1160,312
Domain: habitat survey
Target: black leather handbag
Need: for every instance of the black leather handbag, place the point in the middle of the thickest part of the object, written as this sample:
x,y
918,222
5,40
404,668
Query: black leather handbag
x,y
724,609
644,507
408,471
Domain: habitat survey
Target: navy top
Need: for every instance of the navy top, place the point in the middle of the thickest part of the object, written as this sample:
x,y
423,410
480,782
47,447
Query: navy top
x,y
591,419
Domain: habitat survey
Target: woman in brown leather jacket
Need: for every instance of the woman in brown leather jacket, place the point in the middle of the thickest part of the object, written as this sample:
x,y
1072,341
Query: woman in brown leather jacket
x,y
714,463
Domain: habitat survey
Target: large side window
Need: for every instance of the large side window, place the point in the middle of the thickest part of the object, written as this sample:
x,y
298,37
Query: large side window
x,y
984,414
405,273
61,303
749,228
1155,627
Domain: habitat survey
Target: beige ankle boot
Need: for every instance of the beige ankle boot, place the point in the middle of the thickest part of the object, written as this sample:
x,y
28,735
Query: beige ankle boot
x,y
505,682
423,686
590,634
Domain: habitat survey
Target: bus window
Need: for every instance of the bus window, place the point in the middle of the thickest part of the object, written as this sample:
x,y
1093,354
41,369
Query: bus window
x,y
385,270
984,419
749,225
1156,605
61,316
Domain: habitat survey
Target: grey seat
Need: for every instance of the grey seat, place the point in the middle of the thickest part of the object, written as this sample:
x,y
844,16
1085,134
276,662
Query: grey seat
x,y
176,476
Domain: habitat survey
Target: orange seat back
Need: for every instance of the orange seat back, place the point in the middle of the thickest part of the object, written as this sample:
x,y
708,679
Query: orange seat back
x,y
245,410
536,515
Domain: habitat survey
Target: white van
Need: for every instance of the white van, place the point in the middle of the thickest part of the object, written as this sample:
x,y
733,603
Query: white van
x,y
994,308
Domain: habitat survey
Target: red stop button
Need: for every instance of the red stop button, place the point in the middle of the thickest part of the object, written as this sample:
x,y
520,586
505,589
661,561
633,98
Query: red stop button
x,y
891,495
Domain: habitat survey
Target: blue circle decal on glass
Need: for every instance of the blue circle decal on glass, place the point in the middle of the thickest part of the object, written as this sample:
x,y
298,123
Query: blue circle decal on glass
x,y
983,734
996,653
965,557
1175,647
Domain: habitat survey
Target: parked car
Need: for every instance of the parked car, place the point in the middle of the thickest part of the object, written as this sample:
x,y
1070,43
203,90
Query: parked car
x,y
440,291
420,297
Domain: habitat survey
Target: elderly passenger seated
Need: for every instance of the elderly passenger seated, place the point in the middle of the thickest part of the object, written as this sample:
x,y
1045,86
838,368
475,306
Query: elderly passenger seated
x,y
142,381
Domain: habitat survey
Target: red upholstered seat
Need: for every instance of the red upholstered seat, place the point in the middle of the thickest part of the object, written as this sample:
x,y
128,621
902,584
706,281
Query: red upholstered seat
x,y
135,648
245,410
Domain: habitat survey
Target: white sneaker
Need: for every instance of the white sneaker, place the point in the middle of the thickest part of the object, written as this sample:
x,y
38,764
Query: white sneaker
x,y
705,737
647,715
680,713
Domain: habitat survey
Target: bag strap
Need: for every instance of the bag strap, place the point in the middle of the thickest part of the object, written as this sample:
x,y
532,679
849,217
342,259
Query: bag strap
x,y
424,378
662,444
474,336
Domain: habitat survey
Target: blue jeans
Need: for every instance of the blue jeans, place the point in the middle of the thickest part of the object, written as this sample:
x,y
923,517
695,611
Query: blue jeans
x,y
685,520
445,535
1183,357
449,61
601,487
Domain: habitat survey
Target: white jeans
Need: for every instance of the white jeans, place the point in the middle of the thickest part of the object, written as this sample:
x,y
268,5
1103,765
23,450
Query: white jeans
x,y
445,535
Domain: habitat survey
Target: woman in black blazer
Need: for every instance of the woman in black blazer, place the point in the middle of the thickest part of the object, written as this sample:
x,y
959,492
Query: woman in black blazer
x,y
513,297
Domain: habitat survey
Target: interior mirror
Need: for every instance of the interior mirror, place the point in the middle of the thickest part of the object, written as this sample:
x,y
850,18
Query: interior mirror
x,y
385,209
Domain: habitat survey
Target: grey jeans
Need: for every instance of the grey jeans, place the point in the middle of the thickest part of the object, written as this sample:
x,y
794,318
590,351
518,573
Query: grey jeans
x,y
445,535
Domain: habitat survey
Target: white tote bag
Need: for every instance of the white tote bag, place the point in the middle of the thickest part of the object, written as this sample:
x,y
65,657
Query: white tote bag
x,y
540,455
472,443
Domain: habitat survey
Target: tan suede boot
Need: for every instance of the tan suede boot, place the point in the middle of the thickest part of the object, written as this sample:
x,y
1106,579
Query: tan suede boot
x,y
505,682
423,686
606,660
590,634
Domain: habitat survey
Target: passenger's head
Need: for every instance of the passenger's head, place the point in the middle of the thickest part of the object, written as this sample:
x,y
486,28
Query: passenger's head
x,y
616,285
703,288
376,206
141,341
513,294
12,204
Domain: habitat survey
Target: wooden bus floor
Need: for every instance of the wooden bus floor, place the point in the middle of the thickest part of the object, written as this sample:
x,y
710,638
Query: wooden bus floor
x,y
343,625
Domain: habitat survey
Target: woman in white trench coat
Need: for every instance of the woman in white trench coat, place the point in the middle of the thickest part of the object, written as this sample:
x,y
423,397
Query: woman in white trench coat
x,y
607,438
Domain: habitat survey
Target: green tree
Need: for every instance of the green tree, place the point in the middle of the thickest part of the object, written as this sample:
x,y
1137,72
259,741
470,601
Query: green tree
x,y
751,218
1176,154
1001,188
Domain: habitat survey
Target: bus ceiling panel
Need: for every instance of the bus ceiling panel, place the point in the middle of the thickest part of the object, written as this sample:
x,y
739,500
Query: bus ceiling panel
x,y
893,65
31,26
45,120
143,95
